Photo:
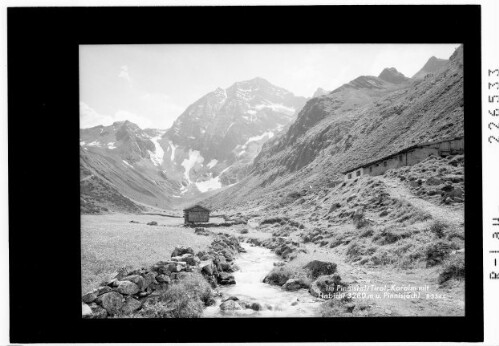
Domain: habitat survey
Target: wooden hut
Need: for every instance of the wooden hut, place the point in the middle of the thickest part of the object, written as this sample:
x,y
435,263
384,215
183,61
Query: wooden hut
x,y
196,214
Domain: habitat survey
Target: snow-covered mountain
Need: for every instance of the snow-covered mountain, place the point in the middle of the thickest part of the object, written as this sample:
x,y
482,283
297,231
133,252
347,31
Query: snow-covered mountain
x,y
209,146
128,159
215,139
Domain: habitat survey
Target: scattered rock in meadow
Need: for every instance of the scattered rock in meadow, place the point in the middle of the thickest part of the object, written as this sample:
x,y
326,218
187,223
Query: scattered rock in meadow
x,y
318,268
163,278
112,301
136,279
127,287
127,290
201,231
86,311
97,311
130,305
206,267
89,297
149,278
181,250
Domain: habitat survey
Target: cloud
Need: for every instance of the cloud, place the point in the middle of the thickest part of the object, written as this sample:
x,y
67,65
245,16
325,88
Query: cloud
x,y
90,118
125,75
161,109
134,118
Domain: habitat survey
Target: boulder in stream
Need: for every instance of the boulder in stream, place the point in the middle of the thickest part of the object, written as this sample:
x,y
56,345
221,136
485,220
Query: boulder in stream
x,y
230,305
295,284
226,279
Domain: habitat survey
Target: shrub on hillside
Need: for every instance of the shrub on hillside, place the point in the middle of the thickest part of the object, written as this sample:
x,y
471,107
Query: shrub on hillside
x,y
437,253
337,307
384,257
367,233
273,220
186,298
390,235
152,309
453,269
197,285
356,250
359,219
437,228
455,234
181,303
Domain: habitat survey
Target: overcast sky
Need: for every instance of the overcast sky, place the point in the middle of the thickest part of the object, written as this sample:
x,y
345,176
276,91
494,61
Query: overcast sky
x,y
152,85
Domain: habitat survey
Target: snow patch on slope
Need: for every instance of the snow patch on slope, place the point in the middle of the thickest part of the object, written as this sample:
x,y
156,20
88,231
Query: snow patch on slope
x,y
157,156
212,163
111,145
173,147
268,134
210,184
277,107
127,164
241,149
194,157
94,144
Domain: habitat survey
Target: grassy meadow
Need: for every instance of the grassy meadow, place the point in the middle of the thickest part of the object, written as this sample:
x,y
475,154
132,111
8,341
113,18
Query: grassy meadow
x,y
110,241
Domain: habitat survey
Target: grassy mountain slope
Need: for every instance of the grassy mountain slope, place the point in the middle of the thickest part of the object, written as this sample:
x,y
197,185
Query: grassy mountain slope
x,y
352,125
137,183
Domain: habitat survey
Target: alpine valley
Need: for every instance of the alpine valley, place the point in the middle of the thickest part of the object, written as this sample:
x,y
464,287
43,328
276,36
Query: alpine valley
x,y
211,145
298,215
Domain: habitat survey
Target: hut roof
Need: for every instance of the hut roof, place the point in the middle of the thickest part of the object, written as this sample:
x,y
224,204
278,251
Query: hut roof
x,y
197,207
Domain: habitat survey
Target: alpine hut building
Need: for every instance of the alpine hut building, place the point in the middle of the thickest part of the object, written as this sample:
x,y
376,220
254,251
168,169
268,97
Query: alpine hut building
x,y
408,157
196,214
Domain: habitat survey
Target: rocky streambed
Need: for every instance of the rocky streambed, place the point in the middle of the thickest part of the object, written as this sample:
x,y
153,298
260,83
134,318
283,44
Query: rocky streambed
x,y
229,279
251,297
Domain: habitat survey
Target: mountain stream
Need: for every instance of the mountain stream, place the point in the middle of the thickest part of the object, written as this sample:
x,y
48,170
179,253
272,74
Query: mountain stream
x,y
254,265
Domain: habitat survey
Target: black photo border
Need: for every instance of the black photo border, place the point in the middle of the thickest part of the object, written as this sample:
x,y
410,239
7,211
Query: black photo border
x,y
43,125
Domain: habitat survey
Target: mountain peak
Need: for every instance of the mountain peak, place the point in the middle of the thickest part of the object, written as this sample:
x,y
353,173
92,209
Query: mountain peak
x,y
320,92
432,65
391,75
257,81
124,122
434,62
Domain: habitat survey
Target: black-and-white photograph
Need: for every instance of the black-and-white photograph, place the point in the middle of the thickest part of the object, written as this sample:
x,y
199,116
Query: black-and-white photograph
x,y
272,180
